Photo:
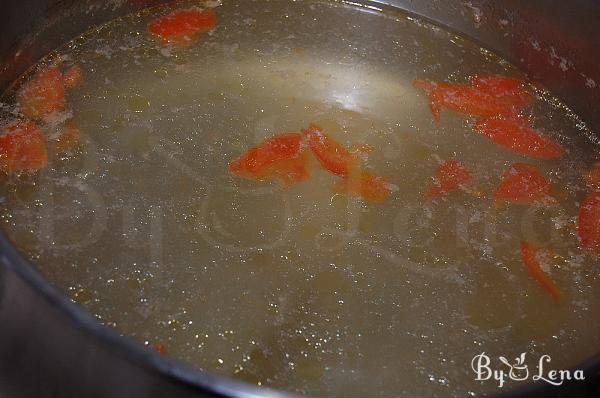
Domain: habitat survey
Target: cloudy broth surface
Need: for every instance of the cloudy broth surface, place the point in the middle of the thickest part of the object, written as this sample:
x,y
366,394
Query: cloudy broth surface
x,y
303,287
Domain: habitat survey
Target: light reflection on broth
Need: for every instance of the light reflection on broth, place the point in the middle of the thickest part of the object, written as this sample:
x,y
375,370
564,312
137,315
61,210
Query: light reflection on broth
x,y
305,288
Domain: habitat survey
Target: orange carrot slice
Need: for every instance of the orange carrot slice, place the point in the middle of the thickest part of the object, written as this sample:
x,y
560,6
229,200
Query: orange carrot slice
x,y
368,185
183,26
160,348
22,148
496,83
43,94
534,257
522,183
588,223
517,136
281,157
449,176
73,77
68,139
504,89
336,159
464,99
331,155
288,171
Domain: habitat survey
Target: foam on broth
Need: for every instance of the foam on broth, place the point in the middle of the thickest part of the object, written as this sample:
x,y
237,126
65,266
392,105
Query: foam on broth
x,y
304,289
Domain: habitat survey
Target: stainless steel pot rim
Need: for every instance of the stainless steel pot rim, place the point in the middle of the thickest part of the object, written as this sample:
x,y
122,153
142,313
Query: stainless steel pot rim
x,y
196,380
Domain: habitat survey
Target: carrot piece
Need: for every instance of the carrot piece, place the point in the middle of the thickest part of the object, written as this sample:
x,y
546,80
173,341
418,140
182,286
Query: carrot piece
x,y
279,147
331,155
588,223
522,183
22,148
281,157
68,139
496,83
73,77
534,257
183,25
449,176
287,171
367,185
517,136
465,99
503,89
160,348
471,101
43,94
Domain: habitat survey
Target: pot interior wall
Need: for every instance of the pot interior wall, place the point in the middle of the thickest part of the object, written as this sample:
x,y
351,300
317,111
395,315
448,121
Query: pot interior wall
x,y
555,44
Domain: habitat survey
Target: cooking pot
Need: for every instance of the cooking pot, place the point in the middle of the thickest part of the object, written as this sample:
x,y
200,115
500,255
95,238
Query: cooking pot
x,y
51,347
